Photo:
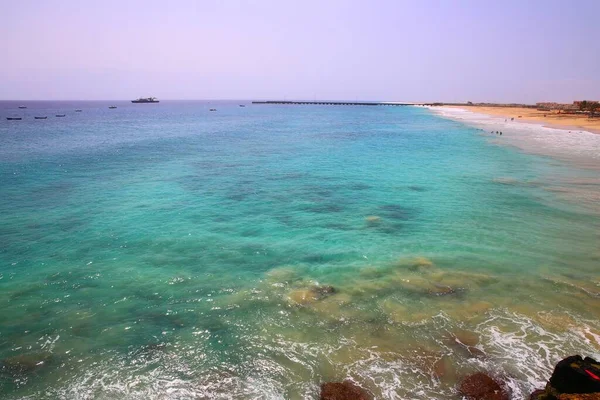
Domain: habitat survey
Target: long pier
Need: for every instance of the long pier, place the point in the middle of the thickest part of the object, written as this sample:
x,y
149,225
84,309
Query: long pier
x,y
336,103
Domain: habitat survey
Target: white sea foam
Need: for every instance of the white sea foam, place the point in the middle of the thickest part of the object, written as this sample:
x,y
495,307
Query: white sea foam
x,y
525,353
519,351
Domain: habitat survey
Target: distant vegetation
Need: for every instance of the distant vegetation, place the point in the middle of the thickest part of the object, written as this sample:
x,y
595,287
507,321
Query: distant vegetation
x,y
590,106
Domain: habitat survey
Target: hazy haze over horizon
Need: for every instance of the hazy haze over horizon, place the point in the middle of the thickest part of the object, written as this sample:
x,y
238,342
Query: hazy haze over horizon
x,y
507,51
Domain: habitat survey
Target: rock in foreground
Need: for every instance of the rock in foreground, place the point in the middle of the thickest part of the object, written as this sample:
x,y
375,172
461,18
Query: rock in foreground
x,y
343,391
480,386
579,396
574,378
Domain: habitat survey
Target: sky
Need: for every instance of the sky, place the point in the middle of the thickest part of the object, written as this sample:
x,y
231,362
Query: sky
x,y
387,50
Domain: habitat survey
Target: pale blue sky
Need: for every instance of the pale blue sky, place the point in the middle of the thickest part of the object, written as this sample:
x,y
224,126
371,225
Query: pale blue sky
x,y
478,50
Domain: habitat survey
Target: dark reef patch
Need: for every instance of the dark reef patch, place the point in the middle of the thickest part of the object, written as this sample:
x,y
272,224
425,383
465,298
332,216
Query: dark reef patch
x,y
339,227
396,212
359,186
323,258
25,364
324,208
391,228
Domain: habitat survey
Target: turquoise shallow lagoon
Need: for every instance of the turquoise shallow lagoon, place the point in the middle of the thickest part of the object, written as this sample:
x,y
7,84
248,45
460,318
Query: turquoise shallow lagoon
x,y
165,251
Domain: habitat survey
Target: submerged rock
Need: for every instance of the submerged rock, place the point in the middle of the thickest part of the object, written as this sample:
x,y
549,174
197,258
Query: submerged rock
x,y
154,347
323,291
23,364
286,275
346,390
373,220
443,369
475,352
422,263
311,294
419,264
465,337
301,296
442,290
480,386
421,285
464,342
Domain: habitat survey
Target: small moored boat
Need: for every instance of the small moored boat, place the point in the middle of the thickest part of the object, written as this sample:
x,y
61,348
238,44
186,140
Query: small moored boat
x,y
40,117
77,110
242,105
61,115
14,118
112,107
213,109
22,107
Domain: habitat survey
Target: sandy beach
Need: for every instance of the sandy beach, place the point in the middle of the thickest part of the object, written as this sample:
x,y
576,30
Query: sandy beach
x,y
548,118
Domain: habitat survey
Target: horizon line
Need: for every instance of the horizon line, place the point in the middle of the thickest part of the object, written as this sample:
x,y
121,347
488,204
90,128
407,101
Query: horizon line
x,y
291,100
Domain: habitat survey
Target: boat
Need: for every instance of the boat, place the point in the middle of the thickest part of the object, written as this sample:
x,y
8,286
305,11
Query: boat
x,y
21,107
242,105
14,118
77,110
40,117
112,107
60,115
145,100
213,109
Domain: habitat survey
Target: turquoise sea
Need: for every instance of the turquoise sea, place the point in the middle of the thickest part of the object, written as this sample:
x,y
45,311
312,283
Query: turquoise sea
x,y
164,251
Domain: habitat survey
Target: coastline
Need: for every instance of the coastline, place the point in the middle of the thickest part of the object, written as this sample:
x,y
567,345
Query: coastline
x,y
549,119
581,146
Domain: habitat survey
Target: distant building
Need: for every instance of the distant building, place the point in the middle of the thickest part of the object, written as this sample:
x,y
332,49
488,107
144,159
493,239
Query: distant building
x,y
549,106
578,102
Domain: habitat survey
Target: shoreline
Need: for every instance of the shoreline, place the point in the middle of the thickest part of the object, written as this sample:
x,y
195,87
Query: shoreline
x,y
578,146
548,119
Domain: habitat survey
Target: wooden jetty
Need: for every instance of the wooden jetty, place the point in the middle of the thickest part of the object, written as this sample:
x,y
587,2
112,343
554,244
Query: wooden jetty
x,y
336,103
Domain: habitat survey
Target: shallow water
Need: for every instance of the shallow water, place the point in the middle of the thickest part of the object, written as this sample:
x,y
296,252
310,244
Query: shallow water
x,y
166,251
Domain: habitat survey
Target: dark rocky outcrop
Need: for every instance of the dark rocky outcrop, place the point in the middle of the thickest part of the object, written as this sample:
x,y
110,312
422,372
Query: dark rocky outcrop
x,y
480,386
579,396
574,378
576,375
346,390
